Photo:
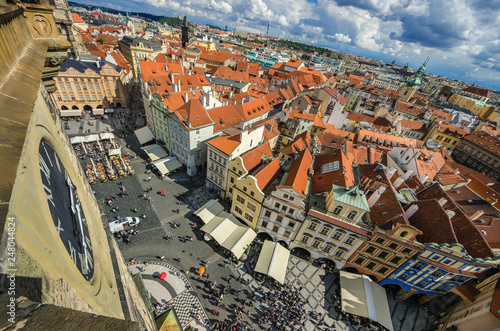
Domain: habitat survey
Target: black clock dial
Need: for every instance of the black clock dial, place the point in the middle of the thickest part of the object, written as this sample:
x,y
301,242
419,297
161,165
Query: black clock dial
x,y
66,210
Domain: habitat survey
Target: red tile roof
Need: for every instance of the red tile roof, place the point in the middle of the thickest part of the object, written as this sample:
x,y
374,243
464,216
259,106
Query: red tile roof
x,y
253,108
465,231
194,113
298,173
323,181
252,159
477,91
267,174
76,18
224,117
226,144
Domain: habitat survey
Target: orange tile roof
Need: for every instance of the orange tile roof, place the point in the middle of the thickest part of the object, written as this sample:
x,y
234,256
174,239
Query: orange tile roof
x,y
194,113
253,108
386,140
224,117
409,108
412,124
298,173
252,159
344,176
76,18
484,191
426,167
174,101
267,174
294,63
226,144
452,130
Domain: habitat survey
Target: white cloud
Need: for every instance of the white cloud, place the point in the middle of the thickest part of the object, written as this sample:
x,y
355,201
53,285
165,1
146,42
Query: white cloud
x,y
340,37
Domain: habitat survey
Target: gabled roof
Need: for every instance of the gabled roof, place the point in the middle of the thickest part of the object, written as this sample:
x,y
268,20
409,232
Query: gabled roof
x,y
226,144
297,174
465,231
253,108
252,159
267,174
351,196
224,117
174,101
77,18
323,180
194,113
477,91
432,220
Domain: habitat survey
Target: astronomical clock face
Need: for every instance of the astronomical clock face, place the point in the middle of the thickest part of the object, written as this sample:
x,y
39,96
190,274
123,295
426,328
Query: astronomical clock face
x,y
66,210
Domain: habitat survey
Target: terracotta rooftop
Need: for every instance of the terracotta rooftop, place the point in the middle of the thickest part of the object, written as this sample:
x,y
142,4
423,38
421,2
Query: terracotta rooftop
x,y
226,144
253,108
477,91
486,141
224,117
267,174
465,231
432,220
252,159
193,113
331,168
298,173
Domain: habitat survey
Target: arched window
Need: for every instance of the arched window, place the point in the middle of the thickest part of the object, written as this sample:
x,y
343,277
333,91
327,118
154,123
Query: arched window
x,y
352,214
337,210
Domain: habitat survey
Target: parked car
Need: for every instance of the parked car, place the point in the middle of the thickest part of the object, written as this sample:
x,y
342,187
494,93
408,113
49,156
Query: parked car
x,y
123,223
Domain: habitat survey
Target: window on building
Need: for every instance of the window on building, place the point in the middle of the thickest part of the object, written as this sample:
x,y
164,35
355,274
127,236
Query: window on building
x,y
447,261
87,97
287,233
94,97
337,210
62,88
291,224
100,97
279,219
352,214
423,283
238,210
91,88
249,217
84,87
438,273
264,224
359,260
285,196
406,251
383,270
66,98
231,190
395,260
277,205
325,230
267,213
283,208
338,235
339,252
81,98
73,98
316,243
419,265
380,241
252,193
291,198
78,88
240,199
244,189
98,88
305,239
251,206
328,248
393,246
382,255
370,250
232,179
370,265
350,240
109,95
313,226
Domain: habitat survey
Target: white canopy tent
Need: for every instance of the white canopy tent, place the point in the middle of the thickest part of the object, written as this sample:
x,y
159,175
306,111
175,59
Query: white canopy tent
x,y
91,138
115,151
166,166
209,210
144,135
98,111
77,140
71,112
155,152
107,135
224,228
363,297
273,260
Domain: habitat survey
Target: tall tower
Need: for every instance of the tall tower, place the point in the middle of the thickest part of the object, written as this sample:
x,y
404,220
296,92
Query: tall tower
x,y
413,83
185,33
268,27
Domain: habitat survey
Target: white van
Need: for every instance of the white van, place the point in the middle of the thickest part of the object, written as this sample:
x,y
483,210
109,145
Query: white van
x,y
123,223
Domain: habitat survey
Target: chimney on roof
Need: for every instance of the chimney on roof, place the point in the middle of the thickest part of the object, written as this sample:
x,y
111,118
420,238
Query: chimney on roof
x,y
476,215
376,195
442,202
186,98
410,211
178,85
407,175
166,68
456,172
389,171
431,157
423,178
203,100
450,214
398,182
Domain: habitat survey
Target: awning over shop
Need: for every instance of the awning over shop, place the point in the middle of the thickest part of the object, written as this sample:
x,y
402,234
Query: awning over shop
x,y
107,135
363,297
144,135
155,152
273,260
77,140
91,138
98,111
239,240
71,113
115,151
109,110
224,228
166,166
209,210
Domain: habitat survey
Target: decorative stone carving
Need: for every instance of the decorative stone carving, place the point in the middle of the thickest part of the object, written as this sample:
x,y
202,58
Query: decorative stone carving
x,y
42,25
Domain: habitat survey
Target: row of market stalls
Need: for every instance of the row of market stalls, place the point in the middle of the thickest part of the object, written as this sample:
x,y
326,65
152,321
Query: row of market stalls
x,y
103,157
225,229
360,296
79,112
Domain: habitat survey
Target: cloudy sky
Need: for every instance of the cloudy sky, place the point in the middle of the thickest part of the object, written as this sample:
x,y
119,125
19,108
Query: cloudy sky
x,y
463,35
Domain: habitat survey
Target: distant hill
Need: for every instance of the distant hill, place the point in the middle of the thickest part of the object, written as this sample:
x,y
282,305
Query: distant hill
x,y
172,21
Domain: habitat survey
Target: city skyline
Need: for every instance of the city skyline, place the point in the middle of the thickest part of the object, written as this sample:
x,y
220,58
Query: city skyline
x,y
464,42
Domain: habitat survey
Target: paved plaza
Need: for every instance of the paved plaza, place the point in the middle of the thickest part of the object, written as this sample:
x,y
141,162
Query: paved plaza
x,y
188,291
